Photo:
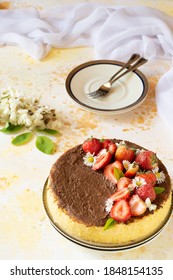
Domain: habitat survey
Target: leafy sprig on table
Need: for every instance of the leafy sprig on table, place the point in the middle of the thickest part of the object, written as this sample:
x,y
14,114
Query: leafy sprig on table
x,y
43,143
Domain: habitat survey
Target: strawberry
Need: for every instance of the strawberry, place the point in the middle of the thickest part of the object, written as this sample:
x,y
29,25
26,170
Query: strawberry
x,y
109,170
102,159
92,145
137,205
132,170
146,191
109,145
106,143
149,177
123,183
121,194
112,148
123,152
118,164
147,160
121,211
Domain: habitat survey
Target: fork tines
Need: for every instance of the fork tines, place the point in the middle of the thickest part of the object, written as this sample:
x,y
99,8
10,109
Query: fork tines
x,y
97,93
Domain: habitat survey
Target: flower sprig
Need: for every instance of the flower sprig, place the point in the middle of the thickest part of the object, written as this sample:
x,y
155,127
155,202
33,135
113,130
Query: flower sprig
x,y
17,112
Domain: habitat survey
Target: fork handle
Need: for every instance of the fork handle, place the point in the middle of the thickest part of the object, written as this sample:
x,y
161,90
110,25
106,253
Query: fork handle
x,y
132,59
131,68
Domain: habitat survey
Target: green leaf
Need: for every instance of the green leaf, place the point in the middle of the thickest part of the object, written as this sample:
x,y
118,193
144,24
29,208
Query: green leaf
x,y
109,223
10,128
22,139
45,145
50,131
118,173
159,190
4,97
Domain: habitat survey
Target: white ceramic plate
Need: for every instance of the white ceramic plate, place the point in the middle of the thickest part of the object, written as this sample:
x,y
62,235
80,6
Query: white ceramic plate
x,y
127,93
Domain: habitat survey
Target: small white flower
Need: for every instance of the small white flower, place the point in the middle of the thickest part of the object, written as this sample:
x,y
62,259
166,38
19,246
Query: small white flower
x,y
148,202
149,205
13,117
121,143
160,176
28,121
89,159
109,204
138,182
139,151
152,207
126,164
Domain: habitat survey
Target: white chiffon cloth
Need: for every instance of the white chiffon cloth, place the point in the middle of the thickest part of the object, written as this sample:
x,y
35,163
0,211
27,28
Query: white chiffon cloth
x,y
164,98
115,32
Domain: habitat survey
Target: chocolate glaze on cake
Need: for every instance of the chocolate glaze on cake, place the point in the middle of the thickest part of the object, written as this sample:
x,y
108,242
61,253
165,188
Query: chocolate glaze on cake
x,y
81,192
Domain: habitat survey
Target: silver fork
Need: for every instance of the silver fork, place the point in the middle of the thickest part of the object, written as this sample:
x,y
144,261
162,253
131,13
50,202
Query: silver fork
x,y
105,88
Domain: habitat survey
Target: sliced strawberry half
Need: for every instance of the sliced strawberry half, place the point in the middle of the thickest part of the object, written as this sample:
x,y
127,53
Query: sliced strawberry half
x,y
132,170
118,164
121,211
121,194
109,171
146,191
123,183
112,148
102,159
137,205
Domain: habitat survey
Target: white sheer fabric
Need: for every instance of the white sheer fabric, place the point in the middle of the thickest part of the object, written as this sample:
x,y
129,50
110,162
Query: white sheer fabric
x,y
113,31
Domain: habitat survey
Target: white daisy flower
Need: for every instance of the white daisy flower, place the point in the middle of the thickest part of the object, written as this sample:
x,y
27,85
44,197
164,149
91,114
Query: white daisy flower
x,y
138,182
89,159
149,205
160,176
109,204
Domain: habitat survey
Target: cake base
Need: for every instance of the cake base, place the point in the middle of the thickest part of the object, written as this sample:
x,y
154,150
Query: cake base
x,y
119,237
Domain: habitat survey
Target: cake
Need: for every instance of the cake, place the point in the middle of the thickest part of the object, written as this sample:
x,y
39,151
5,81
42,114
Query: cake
x,y
109,192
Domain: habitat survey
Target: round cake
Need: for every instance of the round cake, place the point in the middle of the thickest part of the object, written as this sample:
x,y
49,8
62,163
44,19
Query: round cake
x,y
110,192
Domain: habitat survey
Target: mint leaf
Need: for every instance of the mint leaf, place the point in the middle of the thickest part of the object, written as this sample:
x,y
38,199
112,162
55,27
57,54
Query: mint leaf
x,y
50,131
10,128
109,223
22,139
159,190
118,173
45,145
